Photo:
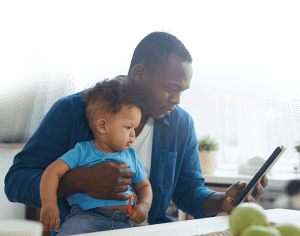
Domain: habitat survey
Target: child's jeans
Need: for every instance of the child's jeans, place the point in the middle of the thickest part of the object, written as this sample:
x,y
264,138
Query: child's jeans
x,y
93,220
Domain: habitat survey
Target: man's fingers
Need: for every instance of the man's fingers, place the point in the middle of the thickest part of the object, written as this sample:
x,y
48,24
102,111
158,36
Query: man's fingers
x,y
239,185
258,191
249,198
121,196
264,181
119,189
126,173
120,164
123,181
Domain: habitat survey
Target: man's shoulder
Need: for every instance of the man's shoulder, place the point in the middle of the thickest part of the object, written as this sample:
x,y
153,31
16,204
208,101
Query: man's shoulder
x,y
72,101
73,97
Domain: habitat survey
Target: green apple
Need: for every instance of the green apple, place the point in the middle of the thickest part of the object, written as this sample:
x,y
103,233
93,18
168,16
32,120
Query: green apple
x,y
259,230
245,215
288,229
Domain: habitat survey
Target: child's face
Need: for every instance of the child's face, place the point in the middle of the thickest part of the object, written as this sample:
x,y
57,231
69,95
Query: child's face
x,y
120,128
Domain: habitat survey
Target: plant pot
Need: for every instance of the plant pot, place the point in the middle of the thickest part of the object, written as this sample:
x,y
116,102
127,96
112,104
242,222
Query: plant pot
x,y
207,161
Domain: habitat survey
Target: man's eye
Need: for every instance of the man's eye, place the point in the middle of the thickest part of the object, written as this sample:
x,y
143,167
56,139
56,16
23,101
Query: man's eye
x,y
172,90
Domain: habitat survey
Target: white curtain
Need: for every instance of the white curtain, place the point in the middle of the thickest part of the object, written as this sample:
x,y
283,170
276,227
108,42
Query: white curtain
x,y
240,95
246,120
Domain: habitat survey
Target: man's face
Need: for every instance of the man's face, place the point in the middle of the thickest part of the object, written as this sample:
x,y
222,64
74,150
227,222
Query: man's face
x,y
163,89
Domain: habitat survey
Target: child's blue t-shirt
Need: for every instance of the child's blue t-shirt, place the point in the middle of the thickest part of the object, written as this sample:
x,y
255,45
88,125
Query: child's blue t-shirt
x,y
85,154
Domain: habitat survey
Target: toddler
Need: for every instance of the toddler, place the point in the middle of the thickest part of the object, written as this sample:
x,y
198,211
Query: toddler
x,y
113,112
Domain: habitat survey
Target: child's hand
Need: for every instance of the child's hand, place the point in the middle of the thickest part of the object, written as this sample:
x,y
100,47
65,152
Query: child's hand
x,y
139,214
50,216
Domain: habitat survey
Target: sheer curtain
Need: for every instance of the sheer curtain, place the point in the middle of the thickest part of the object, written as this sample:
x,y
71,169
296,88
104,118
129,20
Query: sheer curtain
x,y
240,95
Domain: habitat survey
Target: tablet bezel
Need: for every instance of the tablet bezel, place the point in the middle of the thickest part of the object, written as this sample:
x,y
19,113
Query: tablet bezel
x,y
270,162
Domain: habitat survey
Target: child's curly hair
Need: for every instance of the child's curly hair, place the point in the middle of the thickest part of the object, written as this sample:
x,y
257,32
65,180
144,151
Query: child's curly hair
x,y
109,96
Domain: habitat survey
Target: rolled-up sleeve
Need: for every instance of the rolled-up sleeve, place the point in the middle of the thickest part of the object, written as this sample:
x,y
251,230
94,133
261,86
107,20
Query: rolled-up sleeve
x,y
50,141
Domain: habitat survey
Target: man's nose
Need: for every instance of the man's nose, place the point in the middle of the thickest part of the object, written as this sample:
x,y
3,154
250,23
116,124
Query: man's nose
x,y
175,98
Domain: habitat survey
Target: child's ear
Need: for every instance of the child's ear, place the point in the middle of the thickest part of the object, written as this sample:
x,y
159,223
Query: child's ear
x,y
101,126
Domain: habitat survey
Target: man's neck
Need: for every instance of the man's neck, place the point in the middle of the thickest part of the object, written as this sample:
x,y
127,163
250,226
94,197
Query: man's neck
x,y
139,129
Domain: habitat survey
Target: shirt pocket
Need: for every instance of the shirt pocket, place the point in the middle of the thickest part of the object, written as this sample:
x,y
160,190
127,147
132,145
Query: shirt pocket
x,y
170,169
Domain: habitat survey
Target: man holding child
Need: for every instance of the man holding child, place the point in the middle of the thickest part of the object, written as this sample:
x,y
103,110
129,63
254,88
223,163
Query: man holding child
x,y
166,142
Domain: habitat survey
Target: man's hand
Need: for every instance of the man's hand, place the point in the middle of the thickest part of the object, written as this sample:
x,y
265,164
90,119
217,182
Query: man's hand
x,y
139,214
234,190
50,216
105,180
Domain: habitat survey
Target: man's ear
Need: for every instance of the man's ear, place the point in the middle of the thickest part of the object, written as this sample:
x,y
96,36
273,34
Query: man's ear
x,y
140,73
101,125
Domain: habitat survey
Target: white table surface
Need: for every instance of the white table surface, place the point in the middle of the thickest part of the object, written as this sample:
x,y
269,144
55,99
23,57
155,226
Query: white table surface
x,y
195,227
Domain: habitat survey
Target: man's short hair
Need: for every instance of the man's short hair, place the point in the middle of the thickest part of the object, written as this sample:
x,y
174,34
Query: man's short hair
x,y
108,97
155,50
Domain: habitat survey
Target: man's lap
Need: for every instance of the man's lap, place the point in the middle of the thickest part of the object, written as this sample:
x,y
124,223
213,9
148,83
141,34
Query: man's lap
x,y
94,220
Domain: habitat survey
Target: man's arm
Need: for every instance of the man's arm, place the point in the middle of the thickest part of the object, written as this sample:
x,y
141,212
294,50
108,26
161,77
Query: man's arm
x,y
50,141
105,180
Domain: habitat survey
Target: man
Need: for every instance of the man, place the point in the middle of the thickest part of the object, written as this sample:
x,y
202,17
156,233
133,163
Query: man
x,y
161,68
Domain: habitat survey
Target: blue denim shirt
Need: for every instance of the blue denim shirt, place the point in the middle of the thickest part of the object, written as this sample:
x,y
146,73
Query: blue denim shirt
x,y
175,167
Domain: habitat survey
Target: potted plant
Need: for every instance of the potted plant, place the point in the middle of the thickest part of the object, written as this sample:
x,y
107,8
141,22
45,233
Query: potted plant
x,y
207,149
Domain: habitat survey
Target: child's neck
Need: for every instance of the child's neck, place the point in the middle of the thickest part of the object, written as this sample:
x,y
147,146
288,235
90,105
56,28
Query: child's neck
x,y
103,148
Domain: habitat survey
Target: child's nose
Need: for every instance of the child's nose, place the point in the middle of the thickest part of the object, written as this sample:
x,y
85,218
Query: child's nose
x,y
132,133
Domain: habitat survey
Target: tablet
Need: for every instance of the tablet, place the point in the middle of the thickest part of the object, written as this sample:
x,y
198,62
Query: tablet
x,y
263,170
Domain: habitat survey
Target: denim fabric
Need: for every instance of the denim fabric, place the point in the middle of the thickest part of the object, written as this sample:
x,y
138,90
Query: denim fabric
x,y
93,220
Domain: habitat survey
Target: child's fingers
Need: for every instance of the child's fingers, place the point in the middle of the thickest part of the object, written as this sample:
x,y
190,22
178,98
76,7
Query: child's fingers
x,y
46,225
52,223
57,224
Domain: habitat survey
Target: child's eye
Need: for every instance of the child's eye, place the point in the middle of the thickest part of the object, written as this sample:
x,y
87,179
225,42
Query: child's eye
x,y
128,127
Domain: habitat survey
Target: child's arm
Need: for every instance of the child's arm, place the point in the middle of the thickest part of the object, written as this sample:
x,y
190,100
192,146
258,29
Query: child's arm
x,y
48,190
144,193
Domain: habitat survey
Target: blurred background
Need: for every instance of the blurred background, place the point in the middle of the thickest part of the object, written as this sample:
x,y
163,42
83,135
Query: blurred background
x,y
240,95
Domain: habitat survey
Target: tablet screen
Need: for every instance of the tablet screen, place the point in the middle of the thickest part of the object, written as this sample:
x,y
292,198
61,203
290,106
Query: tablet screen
x,y
263,170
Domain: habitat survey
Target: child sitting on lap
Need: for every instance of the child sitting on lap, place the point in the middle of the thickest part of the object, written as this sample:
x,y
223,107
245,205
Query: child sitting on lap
x,y
113,112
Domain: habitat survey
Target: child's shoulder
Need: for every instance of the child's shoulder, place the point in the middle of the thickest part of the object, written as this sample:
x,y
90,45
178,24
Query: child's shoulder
x,y
130,152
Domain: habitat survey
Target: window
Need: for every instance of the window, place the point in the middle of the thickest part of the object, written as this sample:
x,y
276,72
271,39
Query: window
x,y
240,95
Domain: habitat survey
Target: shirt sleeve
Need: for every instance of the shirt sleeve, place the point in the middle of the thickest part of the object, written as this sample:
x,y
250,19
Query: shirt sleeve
x,y
190,192
72,157
140,173
49,142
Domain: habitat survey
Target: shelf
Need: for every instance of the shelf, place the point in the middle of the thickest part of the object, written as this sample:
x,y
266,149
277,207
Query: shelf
x,y
226,177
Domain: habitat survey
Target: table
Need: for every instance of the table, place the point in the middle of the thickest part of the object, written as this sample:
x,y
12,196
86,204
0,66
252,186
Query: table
x,y
195,227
